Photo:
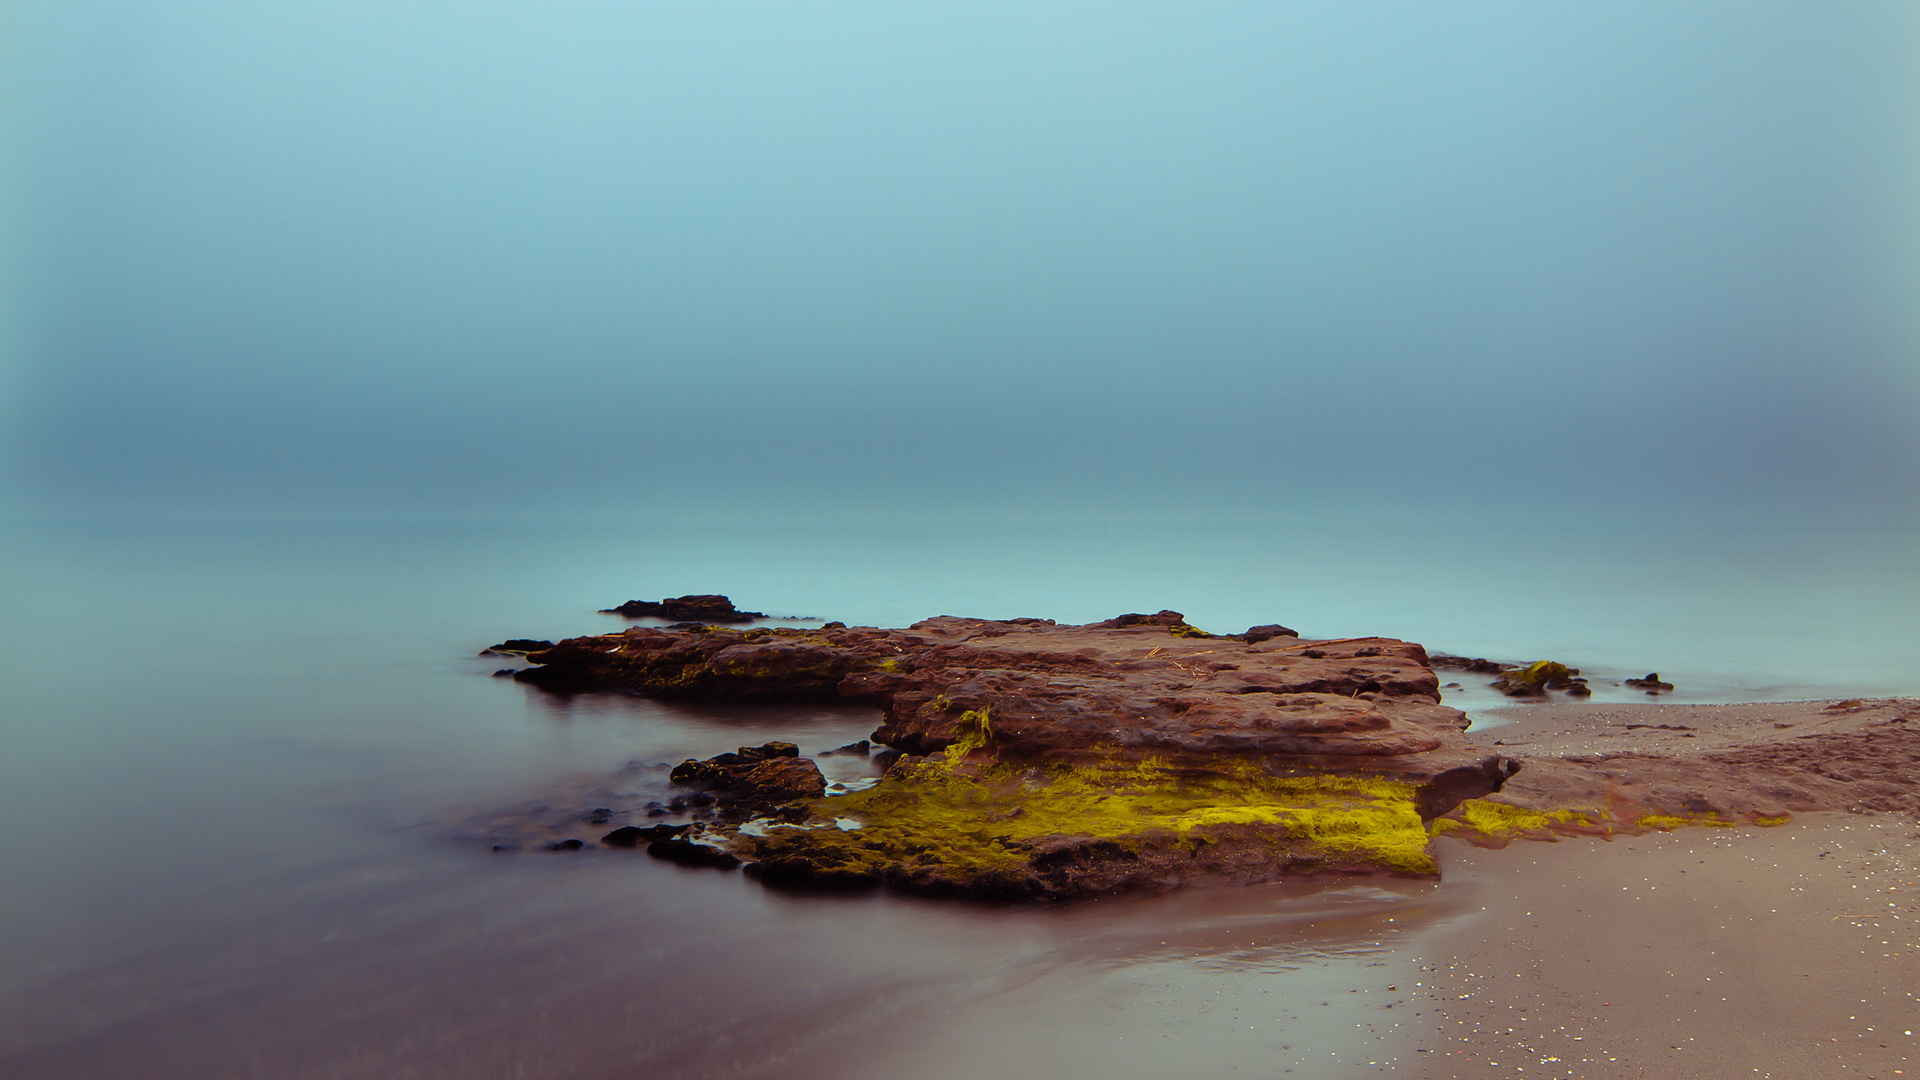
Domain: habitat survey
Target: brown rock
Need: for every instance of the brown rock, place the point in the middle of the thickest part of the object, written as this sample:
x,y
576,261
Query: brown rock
x,y
757,774
633,836
700,608
1021,701
1475,664
1132,683
516,645
1455,786
781,780
688,852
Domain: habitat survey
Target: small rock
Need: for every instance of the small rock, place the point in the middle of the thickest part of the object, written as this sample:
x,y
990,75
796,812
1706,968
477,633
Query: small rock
x,y
517,645
1165,617
1475,664
569,844
632,836
703,608
687,853
769,750
1535,679
1257,634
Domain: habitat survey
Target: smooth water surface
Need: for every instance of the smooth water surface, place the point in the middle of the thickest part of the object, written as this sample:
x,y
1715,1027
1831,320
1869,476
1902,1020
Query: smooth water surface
x,y
254,770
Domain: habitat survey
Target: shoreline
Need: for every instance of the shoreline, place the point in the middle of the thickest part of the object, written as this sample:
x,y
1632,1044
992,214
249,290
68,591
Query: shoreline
x,y
1704,952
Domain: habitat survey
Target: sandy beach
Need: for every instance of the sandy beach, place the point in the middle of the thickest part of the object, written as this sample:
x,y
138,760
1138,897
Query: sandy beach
x,y
1789,951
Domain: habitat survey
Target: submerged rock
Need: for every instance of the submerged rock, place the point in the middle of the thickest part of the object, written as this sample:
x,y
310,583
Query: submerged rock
x,y
1650,683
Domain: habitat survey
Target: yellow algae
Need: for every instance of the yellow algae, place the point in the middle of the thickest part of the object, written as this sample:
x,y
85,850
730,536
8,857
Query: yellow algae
x,y
974,731
1666,822
1500,821
1536,677
1767,821
1497,819
938,814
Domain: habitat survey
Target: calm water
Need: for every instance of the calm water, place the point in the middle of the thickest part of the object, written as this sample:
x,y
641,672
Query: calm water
x,y
252,767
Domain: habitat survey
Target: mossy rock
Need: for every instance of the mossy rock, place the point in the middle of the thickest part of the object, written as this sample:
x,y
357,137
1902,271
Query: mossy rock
x,y
1537,678
1053,831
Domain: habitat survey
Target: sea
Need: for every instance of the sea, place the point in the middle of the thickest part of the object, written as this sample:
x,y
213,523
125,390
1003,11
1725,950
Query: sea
x,y
254,774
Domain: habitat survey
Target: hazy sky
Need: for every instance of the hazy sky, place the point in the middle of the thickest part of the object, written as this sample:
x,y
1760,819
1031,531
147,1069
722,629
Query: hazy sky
x,y
352,251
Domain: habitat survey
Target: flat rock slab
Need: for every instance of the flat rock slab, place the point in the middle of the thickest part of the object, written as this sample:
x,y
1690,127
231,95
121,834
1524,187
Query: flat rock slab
x,y
1135,685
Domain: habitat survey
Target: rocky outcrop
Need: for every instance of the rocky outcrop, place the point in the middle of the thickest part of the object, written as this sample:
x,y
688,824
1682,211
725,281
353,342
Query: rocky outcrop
x,y
1035,760
700,608
703,662
1651,683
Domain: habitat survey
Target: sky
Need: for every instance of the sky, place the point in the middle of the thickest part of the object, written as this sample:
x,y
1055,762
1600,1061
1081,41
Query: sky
x,y
348,253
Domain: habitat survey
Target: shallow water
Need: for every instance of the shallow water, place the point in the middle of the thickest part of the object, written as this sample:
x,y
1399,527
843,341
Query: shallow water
x,y
254,771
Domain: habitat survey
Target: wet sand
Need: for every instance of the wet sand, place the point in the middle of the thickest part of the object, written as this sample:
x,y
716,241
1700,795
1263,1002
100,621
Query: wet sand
x,y
1783,952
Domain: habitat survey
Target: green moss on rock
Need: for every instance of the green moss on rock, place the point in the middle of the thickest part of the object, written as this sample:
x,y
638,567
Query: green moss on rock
x,y
992,830
1537,678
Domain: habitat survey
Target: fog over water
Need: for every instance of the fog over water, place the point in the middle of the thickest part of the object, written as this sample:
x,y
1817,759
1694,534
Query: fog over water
x,y
340,339
374,254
